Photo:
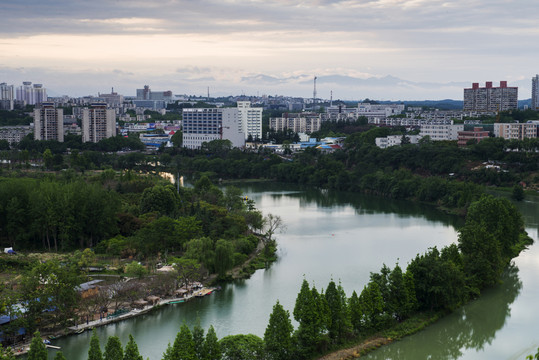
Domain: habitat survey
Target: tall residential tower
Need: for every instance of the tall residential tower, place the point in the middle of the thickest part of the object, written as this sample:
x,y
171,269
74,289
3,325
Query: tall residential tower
x,y
98,123
535,92
490,98
48,123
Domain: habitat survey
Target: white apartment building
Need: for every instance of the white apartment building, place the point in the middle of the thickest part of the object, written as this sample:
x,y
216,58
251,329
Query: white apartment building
x,y
31,95
394,140
371,111
441,132
251,119
208,124
98,123
517,131
297,122
48,123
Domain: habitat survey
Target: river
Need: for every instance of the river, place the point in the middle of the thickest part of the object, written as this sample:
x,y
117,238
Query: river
x,y
344,236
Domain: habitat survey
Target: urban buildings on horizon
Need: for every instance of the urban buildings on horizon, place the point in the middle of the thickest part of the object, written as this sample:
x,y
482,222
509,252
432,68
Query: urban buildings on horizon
x,y
95,117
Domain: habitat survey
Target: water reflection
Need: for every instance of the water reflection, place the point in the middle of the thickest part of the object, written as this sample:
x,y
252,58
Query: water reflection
x,y
363,204
471,327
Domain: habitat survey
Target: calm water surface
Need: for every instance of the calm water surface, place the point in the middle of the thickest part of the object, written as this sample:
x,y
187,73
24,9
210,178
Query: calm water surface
x,y
343,236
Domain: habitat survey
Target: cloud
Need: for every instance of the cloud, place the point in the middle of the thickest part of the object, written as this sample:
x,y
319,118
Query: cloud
x,y
272,43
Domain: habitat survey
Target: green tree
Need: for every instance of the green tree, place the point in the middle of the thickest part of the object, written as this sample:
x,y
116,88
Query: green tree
x,y
339,321
177,139
6,354
135,269
161,199
242,347
224,256
59,356
481,256
278,334
356,313
184,346
212,349
311,321
38,350
113,349
198,340
131,350
518,192
372,304
48,158
94,352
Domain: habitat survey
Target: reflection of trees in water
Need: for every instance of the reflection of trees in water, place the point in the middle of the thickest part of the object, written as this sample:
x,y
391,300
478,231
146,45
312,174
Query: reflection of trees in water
x,y
471,327
364,204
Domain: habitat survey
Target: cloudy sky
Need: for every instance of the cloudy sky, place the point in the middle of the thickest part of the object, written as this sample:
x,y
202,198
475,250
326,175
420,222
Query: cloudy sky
x,y
380,49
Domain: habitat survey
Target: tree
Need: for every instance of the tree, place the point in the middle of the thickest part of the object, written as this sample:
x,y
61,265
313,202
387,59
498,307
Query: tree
x,y
356,313
131,350
135,269
224,256
48,158
38,350
6,354
311,321
242,347
198,340
372,304
339,321
272,223
518,192
59,356
177,139
161,199
212,349
278,334
184,346
188,270
113,349
94,352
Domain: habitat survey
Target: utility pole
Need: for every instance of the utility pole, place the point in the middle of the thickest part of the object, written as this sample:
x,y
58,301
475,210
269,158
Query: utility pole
x,y
314,92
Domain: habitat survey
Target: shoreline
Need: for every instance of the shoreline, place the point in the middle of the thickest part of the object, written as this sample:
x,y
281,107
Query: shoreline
x,y
80,328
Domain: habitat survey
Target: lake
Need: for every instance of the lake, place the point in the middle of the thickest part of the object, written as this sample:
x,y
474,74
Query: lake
x,y
344,237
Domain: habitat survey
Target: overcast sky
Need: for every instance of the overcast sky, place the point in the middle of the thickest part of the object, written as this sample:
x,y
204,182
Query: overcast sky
x,y
380,49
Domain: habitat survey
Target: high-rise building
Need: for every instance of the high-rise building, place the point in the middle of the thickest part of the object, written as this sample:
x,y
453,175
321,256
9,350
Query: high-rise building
x,y
251,119
208,124
98,123
535,92
7,97
31,95
48,122
490,98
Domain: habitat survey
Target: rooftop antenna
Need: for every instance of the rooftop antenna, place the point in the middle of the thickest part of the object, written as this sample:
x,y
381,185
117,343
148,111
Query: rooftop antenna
x,y
314,92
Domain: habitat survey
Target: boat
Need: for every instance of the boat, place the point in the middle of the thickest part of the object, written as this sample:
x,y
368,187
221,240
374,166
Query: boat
x,y
79,331
176,301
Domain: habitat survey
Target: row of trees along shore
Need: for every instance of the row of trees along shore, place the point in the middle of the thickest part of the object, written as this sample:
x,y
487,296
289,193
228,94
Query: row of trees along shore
x,y
433,283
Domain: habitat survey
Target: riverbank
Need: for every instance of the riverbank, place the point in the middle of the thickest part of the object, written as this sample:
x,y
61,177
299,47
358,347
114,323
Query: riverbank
x,y
22,349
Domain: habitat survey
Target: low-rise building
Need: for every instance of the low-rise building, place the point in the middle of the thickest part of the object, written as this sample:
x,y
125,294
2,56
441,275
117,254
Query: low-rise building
x,y
441,132
517,131
14,134
394,140
477,134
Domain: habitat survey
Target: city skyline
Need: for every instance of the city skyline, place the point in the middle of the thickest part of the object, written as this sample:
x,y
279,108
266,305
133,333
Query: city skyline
x,y
383,49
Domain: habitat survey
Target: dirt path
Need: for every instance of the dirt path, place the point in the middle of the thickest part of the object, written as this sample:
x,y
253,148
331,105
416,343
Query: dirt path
x,y
358,350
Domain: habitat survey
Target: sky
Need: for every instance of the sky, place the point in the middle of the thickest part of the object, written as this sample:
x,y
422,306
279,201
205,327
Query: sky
x,y
377,49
